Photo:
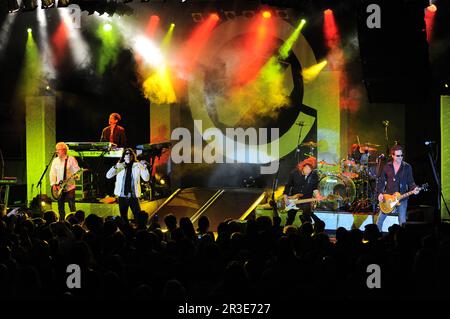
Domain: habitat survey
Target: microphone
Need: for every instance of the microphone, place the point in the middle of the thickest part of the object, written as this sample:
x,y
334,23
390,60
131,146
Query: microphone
x,y
385,122
429,142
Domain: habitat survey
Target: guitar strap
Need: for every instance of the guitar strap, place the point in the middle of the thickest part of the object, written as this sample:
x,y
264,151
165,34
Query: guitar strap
x,y
65,169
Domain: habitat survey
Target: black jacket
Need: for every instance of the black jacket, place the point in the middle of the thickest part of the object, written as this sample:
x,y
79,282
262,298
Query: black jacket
x,y
390,183
298,184
119,137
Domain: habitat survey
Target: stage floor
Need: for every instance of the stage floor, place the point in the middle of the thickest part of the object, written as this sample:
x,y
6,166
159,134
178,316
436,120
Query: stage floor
x,y
335,219
106,209
332,219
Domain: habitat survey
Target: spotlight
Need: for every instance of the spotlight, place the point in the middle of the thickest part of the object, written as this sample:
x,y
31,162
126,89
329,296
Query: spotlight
x,y
328,11
172,24
432,8
446,85
29,30
47,4
230,15
63,3
248,14
266,14
283,14
215,16
13,6
29,5
197,17
107,27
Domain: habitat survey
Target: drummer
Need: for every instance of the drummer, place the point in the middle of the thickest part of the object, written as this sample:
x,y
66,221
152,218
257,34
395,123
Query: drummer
x,y
355,153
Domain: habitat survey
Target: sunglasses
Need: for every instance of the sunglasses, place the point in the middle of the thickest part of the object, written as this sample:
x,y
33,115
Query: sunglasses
x,y
398,155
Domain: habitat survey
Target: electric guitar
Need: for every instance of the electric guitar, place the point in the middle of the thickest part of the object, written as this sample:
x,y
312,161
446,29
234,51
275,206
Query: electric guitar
x,y
389,202
292,203
57,189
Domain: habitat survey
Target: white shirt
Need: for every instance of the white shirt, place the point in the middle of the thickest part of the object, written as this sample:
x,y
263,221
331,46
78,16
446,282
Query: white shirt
x,y
138,171
57,171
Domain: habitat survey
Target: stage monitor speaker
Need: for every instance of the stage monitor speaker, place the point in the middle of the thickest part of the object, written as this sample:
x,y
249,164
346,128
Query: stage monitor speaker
x,y
421,213
418,230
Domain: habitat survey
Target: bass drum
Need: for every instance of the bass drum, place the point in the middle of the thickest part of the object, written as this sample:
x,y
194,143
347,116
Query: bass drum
x,y
339,190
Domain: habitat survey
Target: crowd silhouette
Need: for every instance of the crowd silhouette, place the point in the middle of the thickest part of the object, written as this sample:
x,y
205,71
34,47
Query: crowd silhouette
x,y
255,260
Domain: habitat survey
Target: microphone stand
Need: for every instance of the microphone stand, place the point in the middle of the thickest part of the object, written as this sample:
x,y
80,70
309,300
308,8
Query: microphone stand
x,y
438,182
297,152
39,184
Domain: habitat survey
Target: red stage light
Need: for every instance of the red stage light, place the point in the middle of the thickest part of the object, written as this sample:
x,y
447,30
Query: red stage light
x,y
432,8
215,16
328,11
267,14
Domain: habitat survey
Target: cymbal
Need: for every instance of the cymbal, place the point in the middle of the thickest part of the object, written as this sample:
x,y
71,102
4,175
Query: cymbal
x,y
371,144
310,144
325,163
363,149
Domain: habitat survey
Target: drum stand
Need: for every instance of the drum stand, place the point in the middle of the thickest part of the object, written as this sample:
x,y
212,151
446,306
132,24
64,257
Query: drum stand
x,y
364,201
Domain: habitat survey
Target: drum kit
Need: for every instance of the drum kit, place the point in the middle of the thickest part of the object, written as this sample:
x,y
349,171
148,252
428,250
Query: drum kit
x,y
349,185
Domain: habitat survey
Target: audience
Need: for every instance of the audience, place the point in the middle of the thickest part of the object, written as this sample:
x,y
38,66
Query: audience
x,y
252,259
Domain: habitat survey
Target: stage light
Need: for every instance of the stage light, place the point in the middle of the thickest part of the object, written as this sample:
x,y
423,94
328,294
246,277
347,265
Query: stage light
x,y
29,5
303,21
107,27
230,15
446,85
215,16
13,6
248,13
432,8
162,181
63,3
197,17
283,14
29,30
266,14
47,4
172,25
328,11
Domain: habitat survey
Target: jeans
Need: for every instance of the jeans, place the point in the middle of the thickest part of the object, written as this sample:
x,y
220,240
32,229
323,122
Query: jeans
x,y
68,197
133,203
401,210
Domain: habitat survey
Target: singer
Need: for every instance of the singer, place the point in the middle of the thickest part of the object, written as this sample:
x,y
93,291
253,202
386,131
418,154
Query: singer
x,y
63,167
128,172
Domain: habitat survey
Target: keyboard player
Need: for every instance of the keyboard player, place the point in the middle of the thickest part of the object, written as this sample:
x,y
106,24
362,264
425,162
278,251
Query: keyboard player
x,y
114,133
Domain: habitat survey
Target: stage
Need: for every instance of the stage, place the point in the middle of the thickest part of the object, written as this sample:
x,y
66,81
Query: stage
x,y
333,219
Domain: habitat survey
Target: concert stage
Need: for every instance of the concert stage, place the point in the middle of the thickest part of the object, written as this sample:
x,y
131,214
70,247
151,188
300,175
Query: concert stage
x,y
106,209
335,219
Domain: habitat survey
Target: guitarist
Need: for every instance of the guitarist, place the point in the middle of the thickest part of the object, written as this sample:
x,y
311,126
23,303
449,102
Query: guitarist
x,y
303,182
396,176
63,167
